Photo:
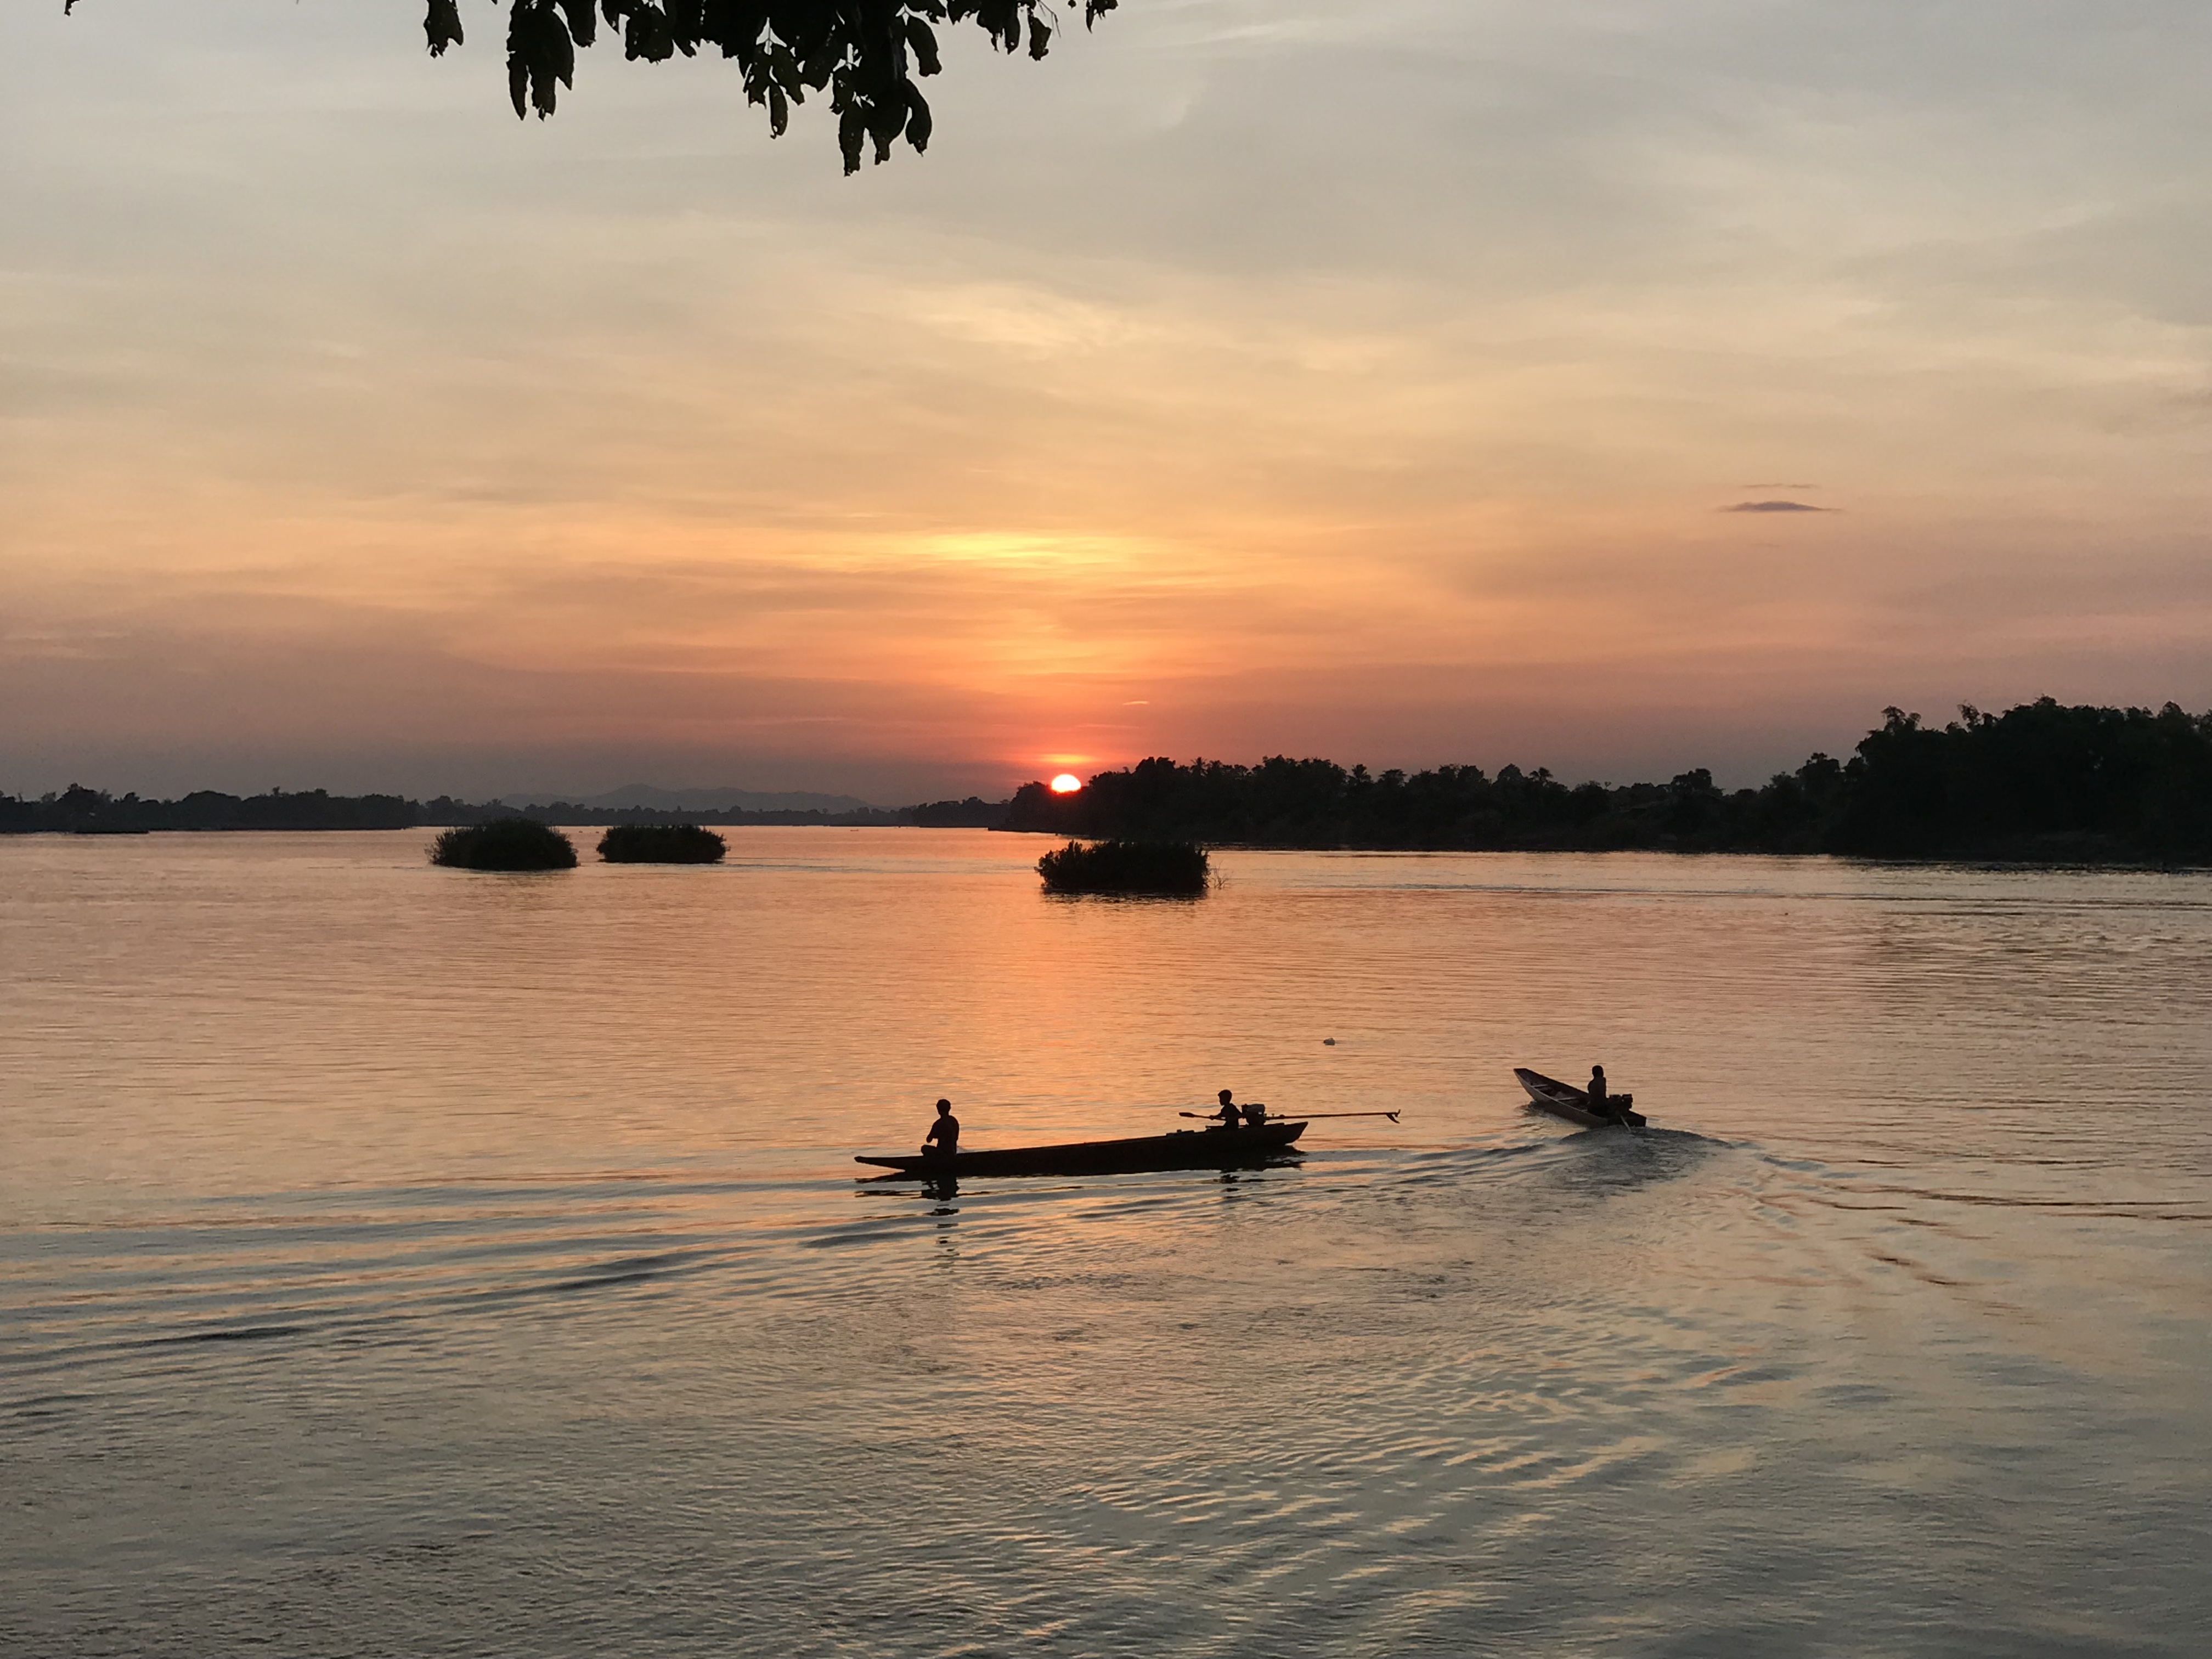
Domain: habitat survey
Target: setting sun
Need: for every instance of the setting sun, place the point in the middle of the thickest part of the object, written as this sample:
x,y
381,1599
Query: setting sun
x,y
1067,784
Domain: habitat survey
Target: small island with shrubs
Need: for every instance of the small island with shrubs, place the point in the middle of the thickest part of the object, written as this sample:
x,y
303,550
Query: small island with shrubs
x,y
661,843
1151,869
504,844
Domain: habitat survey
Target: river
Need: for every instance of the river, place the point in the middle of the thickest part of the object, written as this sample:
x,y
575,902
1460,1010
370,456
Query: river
x,y
396,1261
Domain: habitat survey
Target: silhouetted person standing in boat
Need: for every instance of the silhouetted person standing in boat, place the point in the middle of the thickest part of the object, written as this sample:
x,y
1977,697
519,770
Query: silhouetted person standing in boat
x,y
944,1137
1231,1115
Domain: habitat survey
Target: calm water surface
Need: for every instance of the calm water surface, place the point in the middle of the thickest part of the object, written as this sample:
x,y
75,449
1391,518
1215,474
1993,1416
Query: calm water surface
x,y
398,1260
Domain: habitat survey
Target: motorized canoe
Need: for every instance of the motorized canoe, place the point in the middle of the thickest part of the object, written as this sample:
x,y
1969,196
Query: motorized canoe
x,y
1185,1149
1565,1100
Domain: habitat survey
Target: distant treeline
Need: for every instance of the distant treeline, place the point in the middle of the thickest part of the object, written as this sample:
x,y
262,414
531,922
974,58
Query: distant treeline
x,y
94,812
973,814
2041,781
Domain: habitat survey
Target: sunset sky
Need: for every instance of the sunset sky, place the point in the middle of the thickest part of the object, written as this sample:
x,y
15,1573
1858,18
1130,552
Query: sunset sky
x,y
1376,381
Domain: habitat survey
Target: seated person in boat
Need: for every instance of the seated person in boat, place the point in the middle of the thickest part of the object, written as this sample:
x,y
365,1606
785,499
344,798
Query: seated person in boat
x,y
1231,1115
944,1137
1600,1102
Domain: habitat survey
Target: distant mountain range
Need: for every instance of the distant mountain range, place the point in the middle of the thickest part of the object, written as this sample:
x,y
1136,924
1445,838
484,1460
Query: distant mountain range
x,y
698,800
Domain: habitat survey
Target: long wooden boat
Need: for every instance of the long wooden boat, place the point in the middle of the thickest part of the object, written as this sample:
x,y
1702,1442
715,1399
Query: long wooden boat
x,y
1185,1149
1565,1100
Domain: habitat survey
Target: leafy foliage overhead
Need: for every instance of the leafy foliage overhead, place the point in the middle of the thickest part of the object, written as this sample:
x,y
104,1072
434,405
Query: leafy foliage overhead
x,y
867,54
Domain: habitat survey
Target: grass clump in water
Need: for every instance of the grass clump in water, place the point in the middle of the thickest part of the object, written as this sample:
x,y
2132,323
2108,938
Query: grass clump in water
x,y
1170,868
661,843
504,844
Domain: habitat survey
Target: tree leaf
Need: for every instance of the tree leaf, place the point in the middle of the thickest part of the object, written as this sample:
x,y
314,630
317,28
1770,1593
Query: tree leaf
x,y
852,128
441,22
583,23
923,43
559,50
646,35
887,119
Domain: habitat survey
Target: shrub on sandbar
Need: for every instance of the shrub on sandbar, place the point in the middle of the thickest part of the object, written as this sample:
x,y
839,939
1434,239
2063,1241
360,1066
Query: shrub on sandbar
x,y
1172,868
661,843
504,844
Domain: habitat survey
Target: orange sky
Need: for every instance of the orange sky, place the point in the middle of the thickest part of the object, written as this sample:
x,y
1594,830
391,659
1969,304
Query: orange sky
x,y
1363,381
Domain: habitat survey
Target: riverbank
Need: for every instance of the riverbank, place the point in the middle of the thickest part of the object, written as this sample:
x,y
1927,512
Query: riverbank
x,y
83,811
2041,783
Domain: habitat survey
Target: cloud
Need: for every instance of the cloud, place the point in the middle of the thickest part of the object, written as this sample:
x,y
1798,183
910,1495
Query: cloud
x,y
1776,507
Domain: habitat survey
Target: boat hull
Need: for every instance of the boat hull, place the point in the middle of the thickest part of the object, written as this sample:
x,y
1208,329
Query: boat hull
x,y
1565,1100
1186,1149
